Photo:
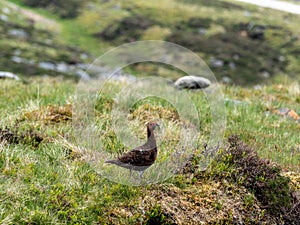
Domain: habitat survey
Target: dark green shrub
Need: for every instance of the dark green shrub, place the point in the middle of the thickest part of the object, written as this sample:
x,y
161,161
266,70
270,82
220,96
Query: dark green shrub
x,y
126,30
240,164
13,136
65,9
37,3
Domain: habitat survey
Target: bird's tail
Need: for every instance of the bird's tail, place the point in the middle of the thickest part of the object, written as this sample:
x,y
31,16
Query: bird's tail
x,y
118,163
112,162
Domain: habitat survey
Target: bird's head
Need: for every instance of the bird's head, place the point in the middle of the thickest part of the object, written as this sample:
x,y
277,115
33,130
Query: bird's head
x,y
152,125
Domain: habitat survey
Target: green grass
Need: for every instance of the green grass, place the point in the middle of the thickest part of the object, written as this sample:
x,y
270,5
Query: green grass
x,y
71,32
43,175
48,182
75,34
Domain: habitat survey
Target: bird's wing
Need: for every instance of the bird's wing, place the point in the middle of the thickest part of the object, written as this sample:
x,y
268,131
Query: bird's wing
x,y
139,157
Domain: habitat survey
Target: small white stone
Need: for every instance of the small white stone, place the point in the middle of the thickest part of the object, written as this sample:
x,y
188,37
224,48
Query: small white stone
x,y
4,74
192,82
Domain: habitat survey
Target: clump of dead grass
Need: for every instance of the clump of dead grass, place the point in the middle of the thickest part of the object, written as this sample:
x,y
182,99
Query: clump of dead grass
x,y
147,112
49,114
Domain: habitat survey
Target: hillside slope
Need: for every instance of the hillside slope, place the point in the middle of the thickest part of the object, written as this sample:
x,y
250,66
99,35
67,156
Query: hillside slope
x,y
45,177
241,43
30,47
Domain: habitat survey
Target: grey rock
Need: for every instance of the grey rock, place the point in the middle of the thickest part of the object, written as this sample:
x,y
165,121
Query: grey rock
x,y
247,13
216,62
5,74
281,58
84,56
236,57
192,82
117,7
47,66
202,31
20,33
266,74
31,62
62,67
18,59
258,87
83,75
226,80
232,65
90,6
17,52
4,18
48,41
6,10
82,66
97,70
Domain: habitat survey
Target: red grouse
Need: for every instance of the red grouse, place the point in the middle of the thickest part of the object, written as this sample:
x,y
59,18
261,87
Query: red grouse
x,y
142,157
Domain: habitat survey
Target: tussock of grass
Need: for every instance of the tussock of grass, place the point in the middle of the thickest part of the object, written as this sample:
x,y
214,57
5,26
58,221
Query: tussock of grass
x,y
50,114
241,165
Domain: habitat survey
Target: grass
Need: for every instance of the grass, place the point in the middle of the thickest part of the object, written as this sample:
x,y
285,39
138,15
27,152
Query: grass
x,y
52,184
44,175
79,37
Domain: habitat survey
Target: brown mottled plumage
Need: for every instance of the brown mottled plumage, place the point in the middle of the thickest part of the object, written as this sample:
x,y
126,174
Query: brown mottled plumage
x,y
142,157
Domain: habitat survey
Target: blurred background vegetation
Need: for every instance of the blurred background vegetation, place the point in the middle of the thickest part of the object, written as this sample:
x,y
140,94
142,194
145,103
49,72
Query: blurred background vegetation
x,y
242,44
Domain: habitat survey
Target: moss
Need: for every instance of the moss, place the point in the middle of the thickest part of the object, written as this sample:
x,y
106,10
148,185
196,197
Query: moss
x,y
127,30
156,216
63,9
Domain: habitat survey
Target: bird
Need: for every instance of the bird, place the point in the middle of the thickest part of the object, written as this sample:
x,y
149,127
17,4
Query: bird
x,y
142,157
